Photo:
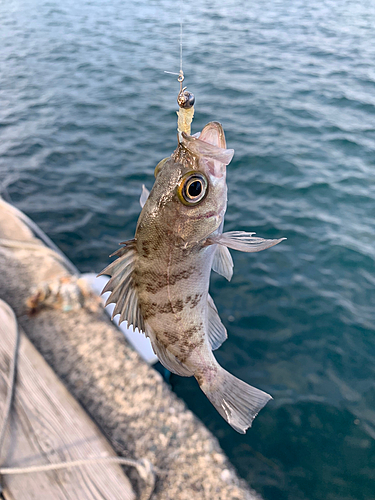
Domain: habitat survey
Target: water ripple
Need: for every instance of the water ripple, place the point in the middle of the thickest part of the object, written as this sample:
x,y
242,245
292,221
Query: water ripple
x,y
87,112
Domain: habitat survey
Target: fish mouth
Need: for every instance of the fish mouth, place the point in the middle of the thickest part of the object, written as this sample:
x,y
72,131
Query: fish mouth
x,y
210,145
213,133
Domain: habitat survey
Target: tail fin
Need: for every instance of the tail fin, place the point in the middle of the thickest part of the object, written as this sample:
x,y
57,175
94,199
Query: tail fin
x,y
237,402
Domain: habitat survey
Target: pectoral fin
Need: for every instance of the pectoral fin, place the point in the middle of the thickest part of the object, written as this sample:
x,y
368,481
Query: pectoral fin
x,y
242,241
121,287
217,333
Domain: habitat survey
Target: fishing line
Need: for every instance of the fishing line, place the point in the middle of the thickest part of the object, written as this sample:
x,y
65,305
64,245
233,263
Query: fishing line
x,y
185,99
181,72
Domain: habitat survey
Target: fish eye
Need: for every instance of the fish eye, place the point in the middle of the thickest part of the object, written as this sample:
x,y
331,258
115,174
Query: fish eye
x,y
193,188
159,166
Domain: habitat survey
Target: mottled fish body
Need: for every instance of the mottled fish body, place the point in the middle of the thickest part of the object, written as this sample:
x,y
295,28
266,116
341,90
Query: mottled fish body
x,y
160,280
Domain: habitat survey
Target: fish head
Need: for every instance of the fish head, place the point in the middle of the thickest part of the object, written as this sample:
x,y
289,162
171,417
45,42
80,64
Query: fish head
x,y
189,196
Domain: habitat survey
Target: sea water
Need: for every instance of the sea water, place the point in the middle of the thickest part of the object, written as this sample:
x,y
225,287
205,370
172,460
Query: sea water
x,y
86,112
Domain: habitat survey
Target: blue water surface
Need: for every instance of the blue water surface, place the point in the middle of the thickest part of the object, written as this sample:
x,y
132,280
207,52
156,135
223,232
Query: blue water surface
x,y
86,113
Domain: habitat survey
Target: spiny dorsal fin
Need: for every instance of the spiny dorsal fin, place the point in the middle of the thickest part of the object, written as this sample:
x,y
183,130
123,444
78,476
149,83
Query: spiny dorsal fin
x,y
121,287
217,333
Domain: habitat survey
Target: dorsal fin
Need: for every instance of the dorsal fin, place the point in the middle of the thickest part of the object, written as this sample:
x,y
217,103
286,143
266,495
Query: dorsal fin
x,y
121,286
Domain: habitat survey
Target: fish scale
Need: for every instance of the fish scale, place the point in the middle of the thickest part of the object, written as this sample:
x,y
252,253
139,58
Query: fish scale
x,y
179,320
160,280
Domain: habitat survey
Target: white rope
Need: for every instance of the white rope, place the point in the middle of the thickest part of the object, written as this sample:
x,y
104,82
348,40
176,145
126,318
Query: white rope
x,y
144,468
12,471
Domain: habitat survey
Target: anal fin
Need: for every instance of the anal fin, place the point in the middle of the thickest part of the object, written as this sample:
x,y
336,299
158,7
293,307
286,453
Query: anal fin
x,y
168,360
217,333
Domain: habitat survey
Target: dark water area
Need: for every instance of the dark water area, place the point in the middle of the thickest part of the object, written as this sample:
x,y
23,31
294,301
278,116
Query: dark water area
x,y
86,113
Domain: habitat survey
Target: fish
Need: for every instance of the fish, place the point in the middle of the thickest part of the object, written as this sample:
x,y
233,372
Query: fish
x,y
160,279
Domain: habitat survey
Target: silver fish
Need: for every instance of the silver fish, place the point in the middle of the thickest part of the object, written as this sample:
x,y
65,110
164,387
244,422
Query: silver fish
x,y
160,280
